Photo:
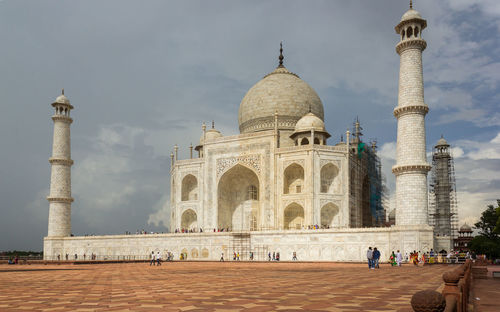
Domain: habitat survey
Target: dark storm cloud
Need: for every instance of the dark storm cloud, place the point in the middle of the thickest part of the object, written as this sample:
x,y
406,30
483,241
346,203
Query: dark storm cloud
x,y
144,75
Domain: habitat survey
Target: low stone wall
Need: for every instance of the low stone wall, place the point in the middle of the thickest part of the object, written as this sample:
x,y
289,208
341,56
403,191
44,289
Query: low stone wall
x,y
309,245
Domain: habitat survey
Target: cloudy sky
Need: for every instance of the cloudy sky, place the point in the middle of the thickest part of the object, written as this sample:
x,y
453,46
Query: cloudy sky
x,y
144,75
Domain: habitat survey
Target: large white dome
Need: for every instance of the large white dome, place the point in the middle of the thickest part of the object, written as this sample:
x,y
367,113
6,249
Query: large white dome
x,y
281,92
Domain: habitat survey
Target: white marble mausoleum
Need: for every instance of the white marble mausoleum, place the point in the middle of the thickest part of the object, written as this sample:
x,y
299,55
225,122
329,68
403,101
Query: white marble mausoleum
x,y
277,186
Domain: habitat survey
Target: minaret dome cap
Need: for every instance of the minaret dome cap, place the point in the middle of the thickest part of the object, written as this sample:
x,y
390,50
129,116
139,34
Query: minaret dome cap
x,y
442,142
62,99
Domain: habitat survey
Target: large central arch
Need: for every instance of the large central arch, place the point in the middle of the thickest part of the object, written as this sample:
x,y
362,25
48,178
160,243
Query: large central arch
x,y
238,199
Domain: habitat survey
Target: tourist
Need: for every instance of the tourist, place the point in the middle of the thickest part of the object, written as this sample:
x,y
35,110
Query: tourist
x,y
221,256
399,258
414,257
376,258
369,256
277,256
238,256
294,258
269,256
274,256
152,262
393,259
158,258
234,256
251,255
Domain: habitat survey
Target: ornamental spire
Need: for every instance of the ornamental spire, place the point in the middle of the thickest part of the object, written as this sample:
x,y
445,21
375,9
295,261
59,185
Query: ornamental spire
x,y
411,4
281,55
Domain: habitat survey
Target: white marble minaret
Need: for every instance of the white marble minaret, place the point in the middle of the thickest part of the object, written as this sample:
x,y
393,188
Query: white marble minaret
x,y
60,177
411,163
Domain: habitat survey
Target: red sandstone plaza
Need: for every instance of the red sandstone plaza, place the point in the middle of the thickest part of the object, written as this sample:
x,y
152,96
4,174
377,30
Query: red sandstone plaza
x,y
214,286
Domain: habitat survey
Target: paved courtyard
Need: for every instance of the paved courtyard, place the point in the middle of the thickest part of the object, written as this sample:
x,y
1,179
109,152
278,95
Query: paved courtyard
x,y
228,286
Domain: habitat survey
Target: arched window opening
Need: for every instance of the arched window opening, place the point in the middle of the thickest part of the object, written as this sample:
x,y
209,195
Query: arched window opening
x,y
328,215
304,141
416,32
328,174
402,34
189,220
189,188
293,217
293,179
409,32
316,141
252,193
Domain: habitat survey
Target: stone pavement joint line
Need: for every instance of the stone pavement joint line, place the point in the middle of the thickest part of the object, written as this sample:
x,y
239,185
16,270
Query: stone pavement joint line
x,y
210,286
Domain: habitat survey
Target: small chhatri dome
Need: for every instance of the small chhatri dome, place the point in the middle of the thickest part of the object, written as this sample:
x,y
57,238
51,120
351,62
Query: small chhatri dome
x,y
210,135
465,228
442,142
411,15
62,99
309,122
280,91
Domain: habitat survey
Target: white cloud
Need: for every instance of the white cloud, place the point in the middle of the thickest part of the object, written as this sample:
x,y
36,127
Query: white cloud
x,y
162,214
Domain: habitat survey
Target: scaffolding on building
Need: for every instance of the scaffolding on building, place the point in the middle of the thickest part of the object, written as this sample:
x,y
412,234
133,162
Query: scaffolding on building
x,y
370,176
443,214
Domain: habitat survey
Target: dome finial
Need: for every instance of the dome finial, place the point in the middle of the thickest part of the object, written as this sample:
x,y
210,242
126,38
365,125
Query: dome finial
x,y
213,124
281,55
309,108
62,92
411,4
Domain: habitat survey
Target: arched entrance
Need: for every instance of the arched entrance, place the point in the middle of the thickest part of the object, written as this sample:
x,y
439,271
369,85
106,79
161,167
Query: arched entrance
x,y
367,220
189,189
293,217
328,214
293,179
328,174
238,199
189,220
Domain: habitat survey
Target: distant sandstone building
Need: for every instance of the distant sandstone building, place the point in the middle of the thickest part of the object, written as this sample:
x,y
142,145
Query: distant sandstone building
x,y
278,186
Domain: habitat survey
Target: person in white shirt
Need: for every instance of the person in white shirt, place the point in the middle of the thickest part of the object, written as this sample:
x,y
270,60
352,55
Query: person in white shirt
x,y
399,258
158,258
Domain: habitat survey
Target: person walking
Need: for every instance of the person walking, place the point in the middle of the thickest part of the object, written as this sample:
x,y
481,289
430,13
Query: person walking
x,y
294,258
158,259
274,256
152,262
269,256
221,257
399,258
369,256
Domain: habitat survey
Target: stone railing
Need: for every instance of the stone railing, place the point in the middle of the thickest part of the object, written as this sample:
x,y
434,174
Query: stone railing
x,y
455,294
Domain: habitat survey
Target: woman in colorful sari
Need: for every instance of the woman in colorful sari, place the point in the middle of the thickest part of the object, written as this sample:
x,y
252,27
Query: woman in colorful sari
x,y
392,259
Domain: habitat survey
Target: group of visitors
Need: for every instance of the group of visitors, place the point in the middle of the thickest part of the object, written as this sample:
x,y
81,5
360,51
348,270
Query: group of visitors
x,y
373,256
396,258
155,258
275,257
183,230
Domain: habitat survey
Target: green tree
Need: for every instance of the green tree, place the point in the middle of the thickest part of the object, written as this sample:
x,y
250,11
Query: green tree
x,y
490,218
488,240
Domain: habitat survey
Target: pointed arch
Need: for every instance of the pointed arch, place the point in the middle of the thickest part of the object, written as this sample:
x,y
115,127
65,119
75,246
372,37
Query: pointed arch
x,y
238,198
366,215
189,219
189,188
329,213
328,174
293,217
293,179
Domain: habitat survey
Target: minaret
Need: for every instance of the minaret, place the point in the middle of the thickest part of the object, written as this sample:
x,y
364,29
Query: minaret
x,y
411,163
60,177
